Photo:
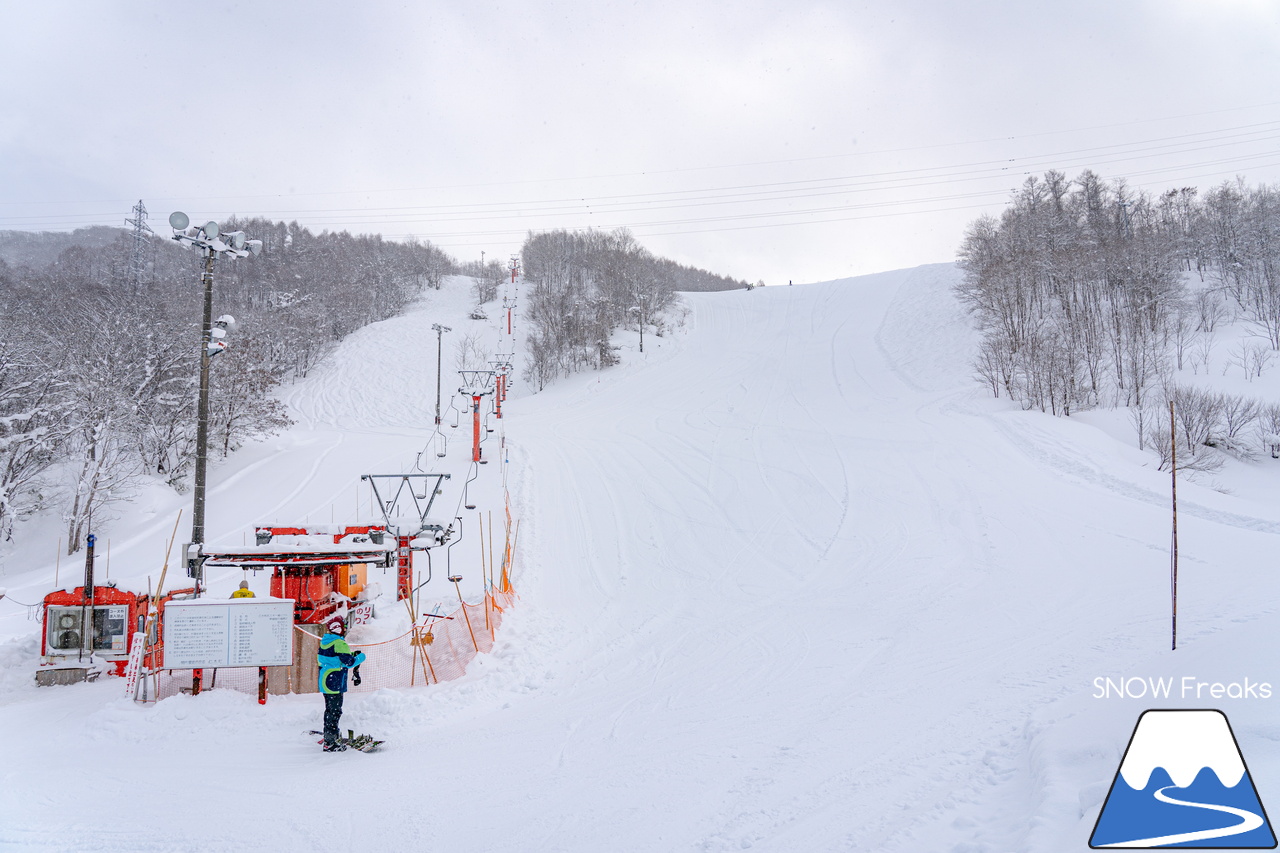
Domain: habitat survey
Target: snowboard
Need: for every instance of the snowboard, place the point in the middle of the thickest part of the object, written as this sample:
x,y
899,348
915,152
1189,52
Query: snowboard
x,y
363,743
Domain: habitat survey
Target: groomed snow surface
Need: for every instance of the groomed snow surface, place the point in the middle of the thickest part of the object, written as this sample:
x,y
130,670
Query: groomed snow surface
x,y
790,581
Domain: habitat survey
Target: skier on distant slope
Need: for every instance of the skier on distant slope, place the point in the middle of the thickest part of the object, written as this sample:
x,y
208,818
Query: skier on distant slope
x,y
335,658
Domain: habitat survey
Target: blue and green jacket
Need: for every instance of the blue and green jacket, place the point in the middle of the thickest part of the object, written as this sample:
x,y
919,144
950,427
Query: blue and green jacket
x,y
335,658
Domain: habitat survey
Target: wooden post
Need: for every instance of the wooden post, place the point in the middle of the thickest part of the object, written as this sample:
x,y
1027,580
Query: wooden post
x,y
484,570
463,606
86,626
138,656
1173,556
418,642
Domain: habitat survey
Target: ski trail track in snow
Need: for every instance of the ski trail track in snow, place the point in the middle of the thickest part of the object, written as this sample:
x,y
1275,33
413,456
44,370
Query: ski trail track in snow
x,y
830,544
781,563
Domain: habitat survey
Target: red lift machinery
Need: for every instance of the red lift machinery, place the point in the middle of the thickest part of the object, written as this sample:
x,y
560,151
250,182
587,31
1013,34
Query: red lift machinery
x,y
324,568
91,625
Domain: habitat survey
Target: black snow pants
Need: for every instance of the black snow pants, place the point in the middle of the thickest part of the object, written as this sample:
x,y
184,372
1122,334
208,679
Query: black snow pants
x,y
332,713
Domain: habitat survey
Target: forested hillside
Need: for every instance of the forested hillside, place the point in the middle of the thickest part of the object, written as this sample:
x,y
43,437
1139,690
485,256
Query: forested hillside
x,y
1091,294
99,367
99,374
41,248
586,284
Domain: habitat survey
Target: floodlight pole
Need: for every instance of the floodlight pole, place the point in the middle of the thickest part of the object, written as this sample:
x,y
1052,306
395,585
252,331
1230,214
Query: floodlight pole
x,y
212,242
440,330
202,409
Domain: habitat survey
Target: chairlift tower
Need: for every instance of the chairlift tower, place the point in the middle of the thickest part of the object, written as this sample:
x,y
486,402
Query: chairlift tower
x,y
476,384
501,370
509,305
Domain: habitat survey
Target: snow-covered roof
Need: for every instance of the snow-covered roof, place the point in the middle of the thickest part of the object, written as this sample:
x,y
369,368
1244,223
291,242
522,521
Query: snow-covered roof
x,y
314,551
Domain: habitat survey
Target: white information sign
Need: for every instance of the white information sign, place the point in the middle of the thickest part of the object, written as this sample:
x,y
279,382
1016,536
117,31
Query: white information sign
x,y
208,633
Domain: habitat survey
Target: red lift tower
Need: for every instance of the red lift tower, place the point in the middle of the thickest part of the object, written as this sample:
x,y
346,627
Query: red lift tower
x,y
476,384
501,370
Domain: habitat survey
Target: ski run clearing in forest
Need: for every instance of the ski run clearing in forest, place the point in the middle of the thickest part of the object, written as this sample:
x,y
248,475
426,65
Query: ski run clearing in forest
x,y
790,580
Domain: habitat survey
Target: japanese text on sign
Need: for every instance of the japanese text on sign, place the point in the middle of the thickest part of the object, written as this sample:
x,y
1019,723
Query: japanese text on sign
x,y
245,632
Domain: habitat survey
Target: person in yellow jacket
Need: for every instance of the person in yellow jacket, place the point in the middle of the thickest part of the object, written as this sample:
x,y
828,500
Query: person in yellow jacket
x,y
243,591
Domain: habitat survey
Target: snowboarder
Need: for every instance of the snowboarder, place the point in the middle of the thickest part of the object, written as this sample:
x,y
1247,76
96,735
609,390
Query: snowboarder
x,y
243,591
335,658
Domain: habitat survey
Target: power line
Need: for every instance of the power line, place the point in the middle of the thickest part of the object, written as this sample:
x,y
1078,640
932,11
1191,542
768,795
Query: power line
x,y
594,209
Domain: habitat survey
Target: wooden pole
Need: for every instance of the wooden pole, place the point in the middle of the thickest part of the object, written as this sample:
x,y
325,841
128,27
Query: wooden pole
x,y
426,657
413,631
1173,556
484,570
418,647
153,611
506,568
463,605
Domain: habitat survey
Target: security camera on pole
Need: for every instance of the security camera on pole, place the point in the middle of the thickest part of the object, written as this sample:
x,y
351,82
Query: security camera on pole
x,y
212,243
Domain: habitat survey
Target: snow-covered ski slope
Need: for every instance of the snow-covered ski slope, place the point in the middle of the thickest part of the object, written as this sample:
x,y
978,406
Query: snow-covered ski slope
x,y
789,581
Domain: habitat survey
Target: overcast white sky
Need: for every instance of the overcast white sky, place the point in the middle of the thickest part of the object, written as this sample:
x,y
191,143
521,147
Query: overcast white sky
x,y
797,140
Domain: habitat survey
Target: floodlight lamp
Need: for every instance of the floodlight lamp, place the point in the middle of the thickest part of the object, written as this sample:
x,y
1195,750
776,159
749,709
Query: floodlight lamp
x,y
211,229
255,246
235,239
179,221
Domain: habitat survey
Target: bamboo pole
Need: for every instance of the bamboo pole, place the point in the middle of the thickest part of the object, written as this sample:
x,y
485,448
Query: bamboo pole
x,y
153,611
484,571
155,602
416,643
463,605
506,576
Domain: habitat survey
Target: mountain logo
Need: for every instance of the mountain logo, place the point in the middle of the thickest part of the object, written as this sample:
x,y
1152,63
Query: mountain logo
x,y
1183,783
